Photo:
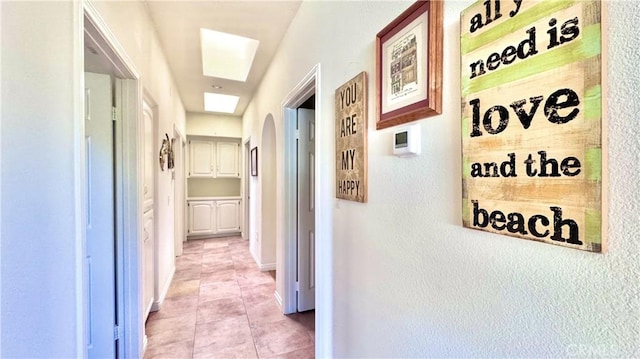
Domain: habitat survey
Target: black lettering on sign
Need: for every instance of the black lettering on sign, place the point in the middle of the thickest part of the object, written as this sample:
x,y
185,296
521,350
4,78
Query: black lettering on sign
x,y
537,225
558,100
348,187
348,158
349,95
569,31
348,126
525,49
491,12
490,169
569,166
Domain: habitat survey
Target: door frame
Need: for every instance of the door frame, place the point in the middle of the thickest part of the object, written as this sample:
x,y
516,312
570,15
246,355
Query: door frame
x,y
246,182
128,225
307,87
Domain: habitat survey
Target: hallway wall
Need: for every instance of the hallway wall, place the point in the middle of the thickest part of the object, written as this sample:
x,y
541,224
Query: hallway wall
x,y
407,279
41,261
132,26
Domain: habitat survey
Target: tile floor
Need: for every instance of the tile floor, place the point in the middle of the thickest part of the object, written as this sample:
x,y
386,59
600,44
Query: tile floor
x,y
220,305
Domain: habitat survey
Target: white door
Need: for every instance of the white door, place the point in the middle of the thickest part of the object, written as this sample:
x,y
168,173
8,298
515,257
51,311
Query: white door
x,y
202,159
179,193
148,237
306,210
201,217
227,216
147,263
227,159
100,246
149,156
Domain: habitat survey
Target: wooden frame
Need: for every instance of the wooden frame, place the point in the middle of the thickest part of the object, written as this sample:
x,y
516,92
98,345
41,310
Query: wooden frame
x,y
409,65
254,161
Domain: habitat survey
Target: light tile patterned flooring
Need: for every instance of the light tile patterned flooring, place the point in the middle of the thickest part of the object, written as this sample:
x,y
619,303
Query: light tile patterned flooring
x,y
220,305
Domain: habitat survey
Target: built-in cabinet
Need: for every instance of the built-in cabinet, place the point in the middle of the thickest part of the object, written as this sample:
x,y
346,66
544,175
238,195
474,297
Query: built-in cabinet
x,y
214,158
213,216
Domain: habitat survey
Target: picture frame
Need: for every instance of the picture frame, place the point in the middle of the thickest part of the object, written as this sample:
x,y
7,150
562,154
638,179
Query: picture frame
x,y
409,65
254,161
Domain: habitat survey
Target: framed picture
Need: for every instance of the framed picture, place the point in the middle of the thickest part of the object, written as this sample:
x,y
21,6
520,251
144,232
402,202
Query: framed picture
x,y
254,161
409,65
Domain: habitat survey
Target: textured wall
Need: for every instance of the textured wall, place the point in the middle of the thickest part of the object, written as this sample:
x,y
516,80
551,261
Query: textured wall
x,y
407,279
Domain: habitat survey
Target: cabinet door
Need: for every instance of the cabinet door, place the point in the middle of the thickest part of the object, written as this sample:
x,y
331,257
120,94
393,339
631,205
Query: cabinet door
x,y
147,263
227,159
227,216
201,156
201,217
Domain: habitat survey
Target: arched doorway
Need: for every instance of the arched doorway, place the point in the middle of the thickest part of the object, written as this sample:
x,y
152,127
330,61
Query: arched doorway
x,y
268,210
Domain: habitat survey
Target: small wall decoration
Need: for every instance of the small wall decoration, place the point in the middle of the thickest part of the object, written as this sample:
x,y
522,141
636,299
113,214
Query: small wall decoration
x,y
166,153
254,161
409,65
351,139
532,121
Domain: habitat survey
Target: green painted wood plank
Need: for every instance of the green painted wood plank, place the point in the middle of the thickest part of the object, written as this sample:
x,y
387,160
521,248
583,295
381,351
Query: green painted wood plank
x,y
593,103
593,164
593,223
588,46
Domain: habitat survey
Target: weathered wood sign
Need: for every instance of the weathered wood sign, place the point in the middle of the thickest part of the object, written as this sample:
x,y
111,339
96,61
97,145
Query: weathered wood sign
x,y
532,124
351,139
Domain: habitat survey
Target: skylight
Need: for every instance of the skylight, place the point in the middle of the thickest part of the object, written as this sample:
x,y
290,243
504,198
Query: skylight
x,y
215,102
227,56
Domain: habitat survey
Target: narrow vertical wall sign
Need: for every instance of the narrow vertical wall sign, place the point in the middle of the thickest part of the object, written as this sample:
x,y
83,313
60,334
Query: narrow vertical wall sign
x,y
532,121
351,139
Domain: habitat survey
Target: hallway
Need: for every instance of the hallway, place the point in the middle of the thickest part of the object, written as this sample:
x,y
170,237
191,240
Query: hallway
x,y
221,306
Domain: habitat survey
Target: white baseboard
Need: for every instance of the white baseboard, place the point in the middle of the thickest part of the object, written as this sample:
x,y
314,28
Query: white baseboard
x,y
165,289
267,267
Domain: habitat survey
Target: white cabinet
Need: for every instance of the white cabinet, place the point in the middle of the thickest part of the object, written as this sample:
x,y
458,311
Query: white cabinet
x,y
147,263
208,158
227,216
227,159
201,158
208,217
201,217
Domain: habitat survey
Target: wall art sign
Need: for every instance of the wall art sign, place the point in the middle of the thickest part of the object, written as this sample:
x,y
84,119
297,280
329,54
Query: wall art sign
x,y
351,139
409,65
532,121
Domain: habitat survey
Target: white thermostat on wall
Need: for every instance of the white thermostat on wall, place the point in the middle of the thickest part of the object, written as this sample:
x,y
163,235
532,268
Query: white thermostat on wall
x,y
406,141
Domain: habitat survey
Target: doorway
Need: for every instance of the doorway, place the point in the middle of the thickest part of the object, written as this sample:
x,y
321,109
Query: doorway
x,y
268,204
102,54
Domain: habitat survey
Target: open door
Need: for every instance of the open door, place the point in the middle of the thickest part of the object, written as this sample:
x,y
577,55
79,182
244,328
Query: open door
x,y
306,210
100,218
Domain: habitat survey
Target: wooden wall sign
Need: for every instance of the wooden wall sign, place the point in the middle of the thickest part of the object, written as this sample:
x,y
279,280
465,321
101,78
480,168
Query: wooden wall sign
x,y
351,139
532,122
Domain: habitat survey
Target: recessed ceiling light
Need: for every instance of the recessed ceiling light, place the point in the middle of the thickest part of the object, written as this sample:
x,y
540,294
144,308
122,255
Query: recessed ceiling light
x,y
215,102
227,56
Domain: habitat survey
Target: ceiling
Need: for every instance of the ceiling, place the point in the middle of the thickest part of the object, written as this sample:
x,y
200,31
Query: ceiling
x,y
178,25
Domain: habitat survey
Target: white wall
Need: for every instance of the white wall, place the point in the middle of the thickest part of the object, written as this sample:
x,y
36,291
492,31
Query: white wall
x,y
407,279
204,124
41,252
133,28
39,257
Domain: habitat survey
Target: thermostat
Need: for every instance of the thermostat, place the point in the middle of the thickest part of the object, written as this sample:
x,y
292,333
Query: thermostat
x,y
406,141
